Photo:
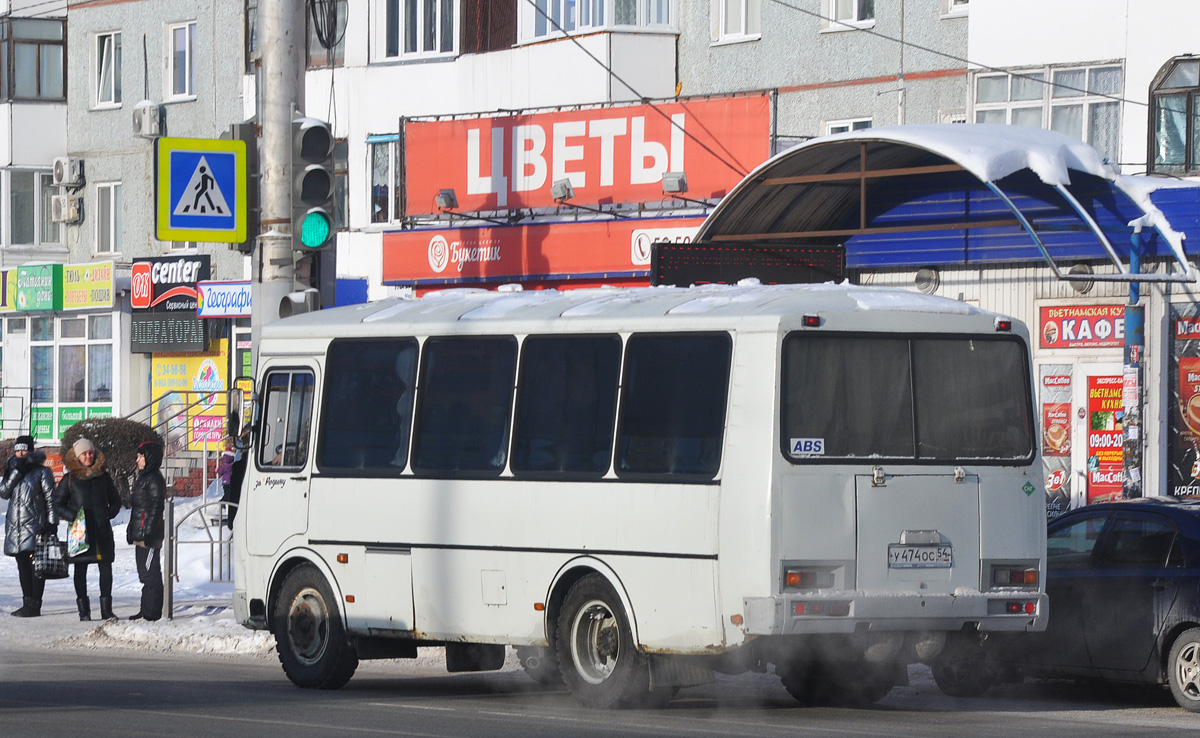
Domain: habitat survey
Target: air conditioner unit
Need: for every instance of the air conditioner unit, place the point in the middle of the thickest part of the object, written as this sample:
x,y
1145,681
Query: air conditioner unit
x,y
147,119
66,208
68,171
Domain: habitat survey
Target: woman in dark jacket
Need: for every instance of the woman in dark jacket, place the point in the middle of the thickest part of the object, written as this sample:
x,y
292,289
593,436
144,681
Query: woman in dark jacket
x,y
145,529
29,487
86,486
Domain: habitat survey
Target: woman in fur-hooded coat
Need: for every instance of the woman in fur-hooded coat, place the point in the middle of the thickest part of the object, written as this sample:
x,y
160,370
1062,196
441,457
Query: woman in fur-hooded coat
x,y
87,486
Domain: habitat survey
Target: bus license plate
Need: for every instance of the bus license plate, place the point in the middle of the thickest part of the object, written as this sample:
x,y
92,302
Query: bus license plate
x,y
901,556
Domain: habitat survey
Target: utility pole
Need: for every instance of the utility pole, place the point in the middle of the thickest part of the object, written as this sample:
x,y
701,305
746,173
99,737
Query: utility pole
x,y
280,90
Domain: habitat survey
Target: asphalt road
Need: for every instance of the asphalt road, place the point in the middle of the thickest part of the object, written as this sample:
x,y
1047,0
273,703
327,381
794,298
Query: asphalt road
x,y
96,693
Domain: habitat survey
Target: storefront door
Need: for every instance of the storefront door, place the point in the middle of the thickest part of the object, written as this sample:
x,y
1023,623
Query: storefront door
x,y
1097,438
14,404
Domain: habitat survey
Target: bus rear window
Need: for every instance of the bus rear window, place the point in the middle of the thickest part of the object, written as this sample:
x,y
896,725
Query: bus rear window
x,y
920,398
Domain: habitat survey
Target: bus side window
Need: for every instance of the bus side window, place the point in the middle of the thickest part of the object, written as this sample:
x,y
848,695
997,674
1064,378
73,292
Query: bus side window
x,y
566,404
463,405
367,413
673,406
286,420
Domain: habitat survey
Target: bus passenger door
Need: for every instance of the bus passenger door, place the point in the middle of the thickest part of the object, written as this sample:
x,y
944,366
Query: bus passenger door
x,y
275,491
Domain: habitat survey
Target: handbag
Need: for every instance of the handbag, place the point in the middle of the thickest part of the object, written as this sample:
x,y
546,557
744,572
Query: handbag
x,y
49,557
77,542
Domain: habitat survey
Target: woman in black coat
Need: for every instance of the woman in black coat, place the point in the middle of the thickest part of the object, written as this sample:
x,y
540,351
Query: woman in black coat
x,y
28,486
86,486
145,529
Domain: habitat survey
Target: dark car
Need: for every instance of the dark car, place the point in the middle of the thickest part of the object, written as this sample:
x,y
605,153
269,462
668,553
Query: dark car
x,y
1123,580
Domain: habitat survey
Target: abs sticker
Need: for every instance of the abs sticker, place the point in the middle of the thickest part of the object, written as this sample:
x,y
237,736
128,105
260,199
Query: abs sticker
x,y
808,446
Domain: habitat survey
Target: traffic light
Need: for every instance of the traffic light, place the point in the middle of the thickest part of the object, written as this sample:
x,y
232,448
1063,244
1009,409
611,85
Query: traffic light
x,y
312,191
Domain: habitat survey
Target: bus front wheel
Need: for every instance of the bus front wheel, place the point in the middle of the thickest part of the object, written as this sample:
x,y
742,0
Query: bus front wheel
x,y
599,661
310,637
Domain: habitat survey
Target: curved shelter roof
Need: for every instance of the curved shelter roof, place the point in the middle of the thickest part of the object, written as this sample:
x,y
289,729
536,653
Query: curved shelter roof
x,y
958,194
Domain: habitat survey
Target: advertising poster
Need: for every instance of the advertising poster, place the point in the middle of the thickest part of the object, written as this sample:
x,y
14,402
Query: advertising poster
x,y
1106,439
1183,419
192,386
1055,398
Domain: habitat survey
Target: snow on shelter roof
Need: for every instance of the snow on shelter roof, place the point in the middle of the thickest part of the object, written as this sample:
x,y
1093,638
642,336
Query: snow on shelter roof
x,y
908,178
474,310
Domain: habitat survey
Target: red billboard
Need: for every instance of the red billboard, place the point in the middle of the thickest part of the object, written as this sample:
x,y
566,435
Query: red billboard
x,y
615,154
1083,326
613,249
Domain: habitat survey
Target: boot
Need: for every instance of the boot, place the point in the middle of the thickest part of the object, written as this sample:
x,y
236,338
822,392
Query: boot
x,y
85,608
23,610
32,609
106,612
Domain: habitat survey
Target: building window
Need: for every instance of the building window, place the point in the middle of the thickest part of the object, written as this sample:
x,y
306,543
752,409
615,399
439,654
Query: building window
x,y
955,8
108,218
1175,137
385,182
550,18
341,182
108,69
845,126
30,221
419,28
181,72
33,58
251,30
1077,101
848,15
736,20
326,23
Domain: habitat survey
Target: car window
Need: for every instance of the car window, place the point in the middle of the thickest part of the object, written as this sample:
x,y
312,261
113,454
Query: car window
x,y
1139,541
1070,546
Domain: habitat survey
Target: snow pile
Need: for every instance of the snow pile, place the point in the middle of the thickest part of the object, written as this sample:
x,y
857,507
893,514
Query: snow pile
x,y
213,634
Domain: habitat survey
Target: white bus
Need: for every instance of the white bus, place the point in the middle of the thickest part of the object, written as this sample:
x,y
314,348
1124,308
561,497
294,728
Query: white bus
x,y
637,487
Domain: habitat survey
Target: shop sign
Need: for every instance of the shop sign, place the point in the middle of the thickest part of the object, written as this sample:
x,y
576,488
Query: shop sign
x,y
40,287
1106,439
87,286
8,290
614,154
1082,326
167,284
69,416
41,421
100,412
596,249
197,382
223,299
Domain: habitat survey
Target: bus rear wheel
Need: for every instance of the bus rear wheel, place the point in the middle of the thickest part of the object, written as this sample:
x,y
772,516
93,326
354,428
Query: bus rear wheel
x,y
843,684
596,653
310,637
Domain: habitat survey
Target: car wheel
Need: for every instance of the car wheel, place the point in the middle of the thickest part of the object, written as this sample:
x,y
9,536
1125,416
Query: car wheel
x,y
959,678
596,654
310,637
1183,670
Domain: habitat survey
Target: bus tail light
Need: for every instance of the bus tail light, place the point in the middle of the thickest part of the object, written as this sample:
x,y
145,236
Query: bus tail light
x,y
808,578
1018,608
822,607
1003,325
811,321
1015,577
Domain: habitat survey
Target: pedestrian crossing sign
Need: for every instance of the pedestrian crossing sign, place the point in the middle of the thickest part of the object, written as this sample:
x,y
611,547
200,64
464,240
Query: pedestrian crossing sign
x,y
201,190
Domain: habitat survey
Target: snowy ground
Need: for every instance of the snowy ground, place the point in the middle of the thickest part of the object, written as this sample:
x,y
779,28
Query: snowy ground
x,y
202,616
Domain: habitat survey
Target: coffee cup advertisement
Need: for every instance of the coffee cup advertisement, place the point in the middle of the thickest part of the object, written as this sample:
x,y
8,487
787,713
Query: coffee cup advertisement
x,y
1056,429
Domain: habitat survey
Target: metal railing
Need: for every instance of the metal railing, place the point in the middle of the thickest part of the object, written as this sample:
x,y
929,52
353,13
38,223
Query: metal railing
x,y
218,537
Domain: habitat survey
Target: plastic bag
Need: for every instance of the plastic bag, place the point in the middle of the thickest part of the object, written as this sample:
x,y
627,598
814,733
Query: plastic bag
x,y
77,542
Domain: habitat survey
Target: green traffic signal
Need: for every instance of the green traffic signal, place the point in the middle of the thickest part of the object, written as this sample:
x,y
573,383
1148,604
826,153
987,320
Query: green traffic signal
x,y
315,229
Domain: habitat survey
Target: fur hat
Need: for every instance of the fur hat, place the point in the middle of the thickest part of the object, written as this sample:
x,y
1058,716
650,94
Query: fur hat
x,y
82,446
23,443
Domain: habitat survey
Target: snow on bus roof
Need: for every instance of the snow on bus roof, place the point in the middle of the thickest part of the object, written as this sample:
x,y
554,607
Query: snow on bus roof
x,y
737,301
